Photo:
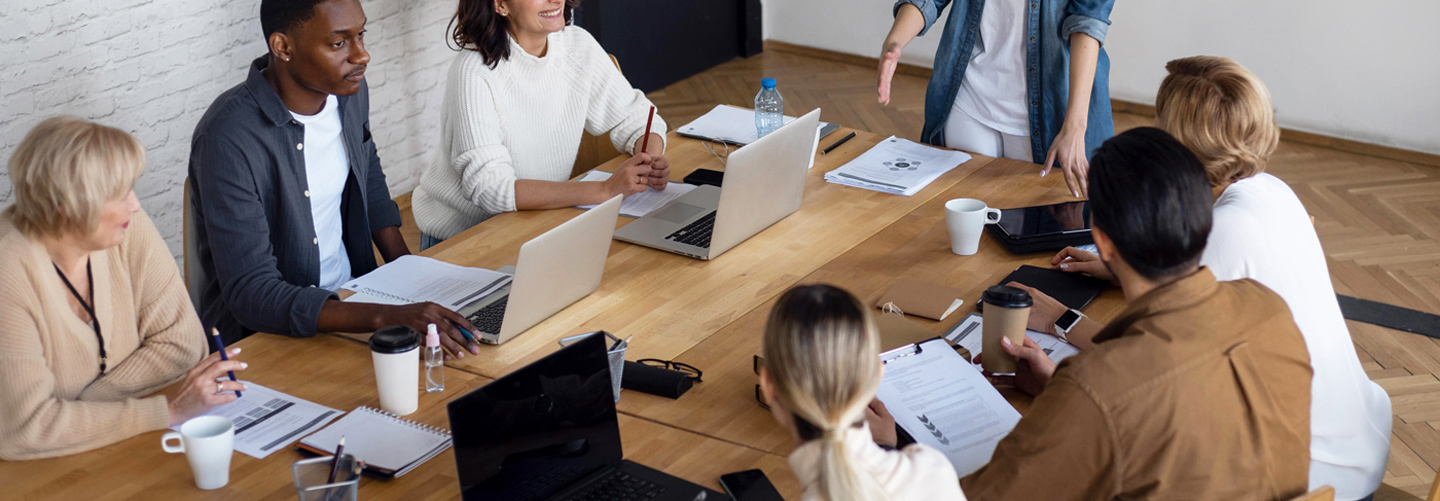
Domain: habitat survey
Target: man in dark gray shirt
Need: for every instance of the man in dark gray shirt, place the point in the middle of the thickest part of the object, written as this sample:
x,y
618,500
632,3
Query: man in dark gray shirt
x,y
260,243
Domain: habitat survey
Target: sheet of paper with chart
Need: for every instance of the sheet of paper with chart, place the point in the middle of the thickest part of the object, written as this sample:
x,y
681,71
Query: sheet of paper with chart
x,y
267,420
935,395
966,334
418,279
897,166
640,204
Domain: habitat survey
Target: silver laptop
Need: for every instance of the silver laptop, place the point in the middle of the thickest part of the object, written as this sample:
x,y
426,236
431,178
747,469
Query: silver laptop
x,y
555,270
763,183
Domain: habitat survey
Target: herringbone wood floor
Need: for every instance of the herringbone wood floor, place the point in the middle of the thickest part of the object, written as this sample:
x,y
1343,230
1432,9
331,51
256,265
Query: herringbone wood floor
x,y
1378,219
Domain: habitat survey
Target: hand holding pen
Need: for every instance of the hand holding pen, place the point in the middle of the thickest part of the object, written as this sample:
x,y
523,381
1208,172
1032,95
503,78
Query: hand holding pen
x,y
203,387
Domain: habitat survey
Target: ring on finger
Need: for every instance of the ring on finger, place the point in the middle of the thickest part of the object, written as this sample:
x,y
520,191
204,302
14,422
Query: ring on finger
x,y
219,387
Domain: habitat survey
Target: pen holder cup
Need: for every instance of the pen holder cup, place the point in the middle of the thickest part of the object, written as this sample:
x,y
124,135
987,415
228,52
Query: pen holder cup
x,y
311,476
617,357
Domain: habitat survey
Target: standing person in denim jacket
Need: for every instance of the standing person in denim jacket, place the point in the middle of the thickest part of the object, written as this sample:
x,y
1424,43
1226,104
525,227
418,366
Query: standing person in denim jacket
x,y
1041,87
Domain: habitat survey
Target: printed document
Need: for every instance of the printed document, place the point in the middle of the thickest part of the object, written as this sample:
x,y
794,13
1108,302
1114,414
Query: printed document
x,y
934,395
640,204
419,279
966,334
897,166
267,420
728,124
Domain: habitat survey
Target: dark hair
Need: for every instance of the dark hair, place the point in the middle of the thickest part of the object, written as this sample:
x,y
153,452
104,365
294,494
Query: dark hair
x,y
1150,195
285,15
476,26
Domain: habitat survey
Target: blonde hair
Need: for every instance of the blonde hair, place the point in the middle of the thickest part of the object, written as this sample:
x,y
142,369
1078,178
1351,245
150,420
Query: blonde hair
x,y
1222,112
822,352
64,172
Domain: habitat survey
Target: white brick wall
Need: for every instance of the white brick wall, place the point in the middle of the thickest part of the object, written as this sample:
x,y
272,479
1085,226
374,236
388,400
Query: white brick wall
x,y
151,67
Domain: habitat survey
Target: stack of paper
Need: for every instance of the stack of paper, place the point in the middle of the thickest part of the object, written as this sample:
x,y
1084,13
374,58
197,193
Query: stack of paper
x,y
729,124
418,279
640,204
967,334
897,166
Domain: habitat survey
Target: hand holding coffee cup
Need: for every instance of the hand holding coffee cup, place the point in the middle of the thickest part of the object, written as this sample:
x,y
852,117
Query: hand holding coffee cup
x,y
207,442
1007,311
966,219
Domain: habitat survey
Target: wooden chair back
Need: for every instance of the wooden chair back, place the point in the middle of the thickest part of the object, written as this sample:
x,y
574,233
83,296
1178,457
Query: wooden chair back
x,y
594,150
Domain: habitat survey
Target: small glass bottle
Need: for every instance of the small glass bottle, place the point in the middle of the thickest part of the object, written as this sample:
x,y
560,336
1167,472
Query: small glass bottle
x,y
434,361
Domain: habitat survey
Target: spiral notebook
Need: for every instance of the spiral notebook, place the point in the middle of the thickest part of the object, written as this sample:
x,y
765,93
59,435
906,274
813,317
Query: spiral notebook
x,y
389,445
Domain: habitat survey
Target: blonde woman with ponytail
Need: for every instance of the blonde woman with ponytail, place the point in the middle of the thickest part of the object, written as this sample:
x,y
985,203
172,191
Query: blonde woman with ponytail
x,y
822,369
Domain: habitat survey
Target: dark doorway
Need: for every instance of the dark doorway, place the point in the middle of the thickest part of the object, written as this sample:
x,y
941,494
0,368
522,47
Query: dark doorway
x,y
660,42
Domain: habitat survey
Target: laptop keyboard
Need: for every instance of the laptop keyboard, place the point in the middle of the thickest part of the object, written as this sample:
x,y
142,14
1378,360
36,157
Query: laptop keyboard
x,y
488,318
619,486
696,233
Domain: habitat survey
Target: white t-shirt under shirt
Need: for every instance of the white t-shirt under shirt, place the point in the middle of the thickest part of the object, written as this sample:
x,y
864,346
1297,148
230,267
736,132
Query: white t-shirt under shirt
x,y
327,168
1262,231
993,88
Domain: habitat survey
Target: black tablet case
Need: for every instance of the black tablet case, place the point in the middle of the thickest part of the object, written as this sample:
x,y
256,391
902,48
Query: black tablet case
x,y
1072,289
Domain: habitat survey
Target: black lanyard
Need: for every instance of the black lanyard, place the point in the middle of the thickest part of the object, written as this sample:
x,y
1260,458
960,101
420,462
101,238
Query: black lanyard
x,y
86,304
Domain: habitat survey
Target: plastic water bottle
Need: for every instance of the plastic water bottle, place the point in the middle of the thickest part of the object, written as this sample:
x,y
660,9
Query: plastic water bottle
x,y
769,108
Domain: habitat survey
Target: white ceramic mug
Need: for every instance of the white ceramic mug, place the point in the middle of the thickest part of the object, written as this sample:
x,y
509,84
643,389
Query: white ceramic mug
x,y
966,218
396,353
208,442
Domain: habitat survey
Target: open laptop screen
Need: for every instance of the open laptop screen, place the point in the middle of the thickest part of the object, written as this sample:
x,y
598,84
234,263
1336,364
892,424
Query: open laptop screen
x,y
531,433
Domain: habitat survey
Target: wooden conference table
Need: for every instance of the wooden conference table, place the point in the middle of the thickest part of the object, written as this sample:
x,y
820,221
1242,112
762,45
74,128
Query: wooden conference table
x,y
707,314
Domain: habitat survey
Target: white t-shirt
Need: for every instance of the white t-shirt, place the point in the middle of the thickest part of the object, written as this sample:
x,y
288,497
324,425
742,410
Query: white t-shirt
x,y
993,89
1262,231
326,171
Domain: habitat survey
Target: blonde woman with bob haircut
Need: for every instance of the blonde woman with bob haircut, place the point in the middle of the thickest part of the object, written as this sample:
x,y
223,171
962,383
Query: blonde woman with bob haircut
x,y
1222,112
822,369
94,318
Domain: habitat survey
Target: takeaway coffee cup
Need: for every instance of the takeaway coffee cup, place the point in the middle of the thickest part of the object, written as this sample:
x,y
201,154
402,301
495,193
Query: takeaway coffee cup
x,y
208,442
1006,311
966,218
396,352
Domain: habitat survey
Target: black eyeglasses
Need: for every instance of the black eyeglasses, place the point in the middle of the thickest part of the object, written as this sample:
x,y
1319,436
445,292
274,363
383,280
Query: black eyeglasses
x,y
759,394
688,369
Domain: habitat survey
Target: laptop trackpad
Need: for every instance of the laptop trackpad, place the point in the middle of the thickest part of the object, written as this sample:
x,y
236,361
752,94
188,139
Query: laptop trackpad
x,y
678,213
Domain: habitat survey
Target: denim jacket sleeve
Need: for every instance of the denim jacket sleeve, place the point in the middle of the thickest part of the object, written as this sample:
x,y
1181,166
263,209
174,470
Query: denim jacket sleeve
x,y
930,9
245,266
1091,17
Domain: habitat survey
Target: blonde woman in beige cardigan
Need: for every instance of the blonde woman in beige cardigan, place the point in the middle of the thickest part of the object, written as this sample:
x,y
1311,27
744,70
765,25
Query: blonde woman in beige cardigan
x,y
94,318
821,372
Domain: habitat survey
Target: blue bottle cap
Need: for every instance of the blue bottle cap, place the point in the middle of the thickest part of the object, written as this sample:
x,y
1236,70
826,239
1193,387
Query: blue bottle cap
x,y
768,83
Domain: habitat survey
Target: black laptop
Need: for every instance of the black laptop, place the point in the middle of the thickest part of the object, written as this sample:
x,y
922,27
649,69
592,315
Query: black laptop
x,y
549,432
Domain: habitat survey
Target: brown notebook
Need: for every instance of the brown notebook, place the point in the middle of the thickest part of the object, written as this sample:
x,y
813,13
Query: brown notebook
x,y
924,299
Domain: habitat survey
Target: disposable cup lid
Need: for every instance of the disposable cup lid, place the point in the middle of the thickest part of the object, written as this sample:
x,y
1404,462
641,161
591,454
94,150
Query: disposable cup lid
x,y
1005,296
395,339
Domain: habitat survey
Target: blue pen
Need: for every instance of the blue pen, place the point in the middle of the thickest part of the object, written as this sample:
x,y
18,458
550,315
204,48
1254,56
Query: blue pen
x,y
220,345
468,336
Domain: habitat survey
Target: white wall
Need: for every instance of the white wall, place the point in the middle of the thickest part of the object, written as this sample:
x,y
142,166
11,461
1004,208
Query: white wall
x,y
1368,71
152,67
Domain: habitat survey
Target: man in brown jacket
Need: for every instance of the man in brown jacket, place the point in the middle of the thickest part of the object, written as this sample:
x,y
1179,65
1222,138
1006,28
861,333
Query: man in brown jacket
x,y
1198,390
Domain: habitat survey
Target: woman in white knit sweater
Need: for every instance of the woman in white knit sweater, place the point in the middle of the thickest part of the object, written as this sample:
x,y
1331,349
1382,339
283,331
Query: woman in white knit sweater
x,y
517,97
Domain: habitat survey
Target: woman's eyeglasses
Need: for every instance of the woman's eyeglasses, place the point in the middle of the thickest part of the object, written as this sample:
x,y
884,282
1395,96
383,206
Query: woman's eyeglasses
x,y
689,370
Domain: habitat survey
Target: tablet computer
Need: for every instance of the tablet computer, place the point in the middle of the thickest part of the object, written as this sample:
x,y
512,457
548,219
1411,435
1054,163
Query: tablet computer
x,y
1044,227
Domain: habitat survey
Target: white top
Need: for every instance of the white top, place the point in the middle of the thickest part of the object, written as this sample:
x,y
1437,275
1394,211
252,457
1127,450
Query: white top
x,y
993,89
1261,231
915,472
522,120
326,171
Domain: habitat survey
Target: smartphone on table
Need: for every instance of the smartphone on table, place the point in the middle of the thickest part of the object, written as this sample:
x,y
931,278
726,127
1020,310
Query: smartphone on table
x,y
749,485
